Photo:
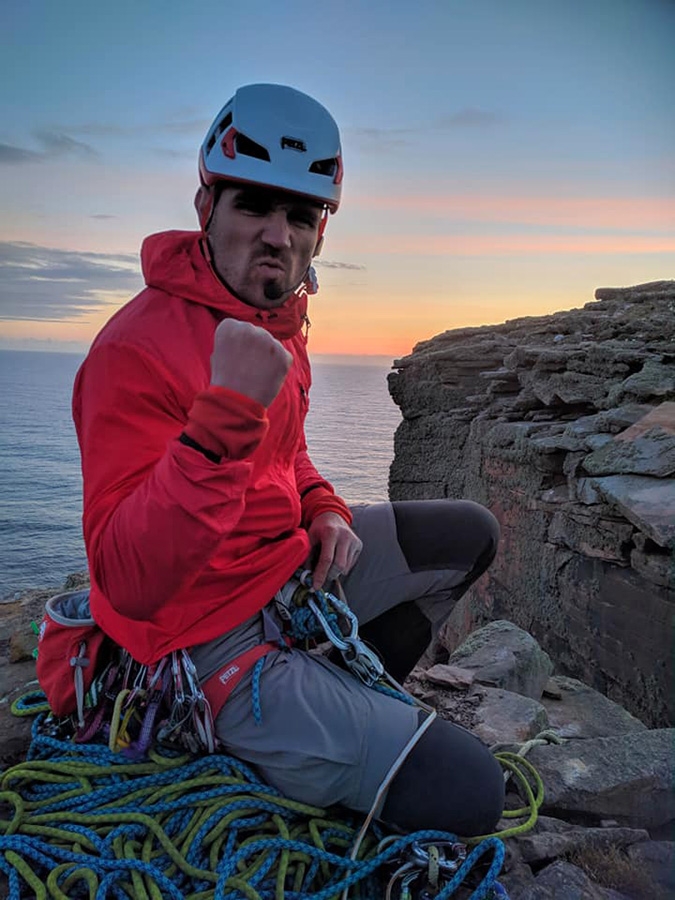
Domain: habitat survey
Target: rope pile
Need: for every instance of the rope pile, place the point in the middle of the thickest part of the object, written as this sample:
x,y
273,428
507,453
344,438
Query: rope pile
x,y
80,821
77,821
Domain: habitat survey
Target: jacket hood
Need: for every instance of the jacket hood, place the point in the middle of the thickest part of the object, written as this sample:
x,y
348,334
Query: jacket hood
x,y
175,262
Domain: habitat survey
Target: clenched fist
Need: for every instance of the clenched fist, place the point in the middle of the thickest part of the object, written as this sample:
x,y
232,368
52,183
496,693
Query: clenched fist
x,y
249,360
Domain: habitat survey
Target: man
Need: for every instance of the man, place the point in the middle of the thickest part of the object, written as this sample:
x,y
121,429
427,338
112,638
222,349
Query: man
x,y
201,501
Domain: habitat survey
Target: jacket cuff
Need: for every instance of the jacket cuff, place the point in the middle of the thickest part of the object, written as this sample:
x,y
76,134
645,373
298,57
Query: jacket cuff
x,y
226,423
321,499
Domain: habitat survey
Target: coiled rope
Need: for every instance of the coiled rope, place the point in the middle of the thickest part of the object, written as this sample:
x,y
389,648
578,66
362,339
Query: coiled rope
x,y
30,704
84,822
77,821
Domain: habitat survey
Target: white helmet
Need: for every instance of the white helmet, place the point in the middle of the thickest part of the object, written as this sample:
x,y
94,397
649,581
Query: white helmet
x,y
275,136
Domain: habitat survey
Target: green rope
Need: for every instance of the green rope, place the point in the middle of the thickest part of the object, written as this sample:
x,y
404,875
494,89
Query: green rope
x,y
30,704
81,822
548,736
212,804
517,766
52,847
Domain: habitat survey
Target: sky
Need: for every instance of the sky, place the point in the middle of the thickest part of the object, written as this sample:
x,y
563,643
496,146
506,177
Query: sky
x,y
503,158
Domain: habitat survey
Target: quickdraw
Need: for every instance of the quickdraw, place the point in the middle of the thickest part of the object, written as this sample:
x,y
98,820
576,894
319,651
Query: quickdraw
x,y
433,869
422,869
130,705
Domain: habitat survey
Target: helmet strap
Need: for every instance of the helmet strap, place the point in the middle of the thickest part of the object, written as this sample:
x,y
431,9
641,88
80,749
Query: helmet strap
x,y
322,228
205,202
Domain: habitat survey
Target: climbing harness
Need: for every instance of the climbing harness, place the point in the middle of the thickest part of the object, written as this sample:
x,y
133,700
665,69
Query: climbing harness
x,y
99,690
106,805
218,687
307,614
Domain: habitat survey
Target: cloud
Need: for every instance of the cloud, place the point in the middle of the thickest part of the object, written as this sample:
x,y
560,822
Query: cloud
x,y
55,144
381,138
101,216
172,153
507,245
44,284
332,264
13,156
467,117
187,126
470,117
56,141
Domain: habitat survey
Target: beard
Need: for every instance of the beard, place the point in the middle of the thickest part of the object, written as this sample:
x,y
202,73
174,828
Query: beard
x,y
274,290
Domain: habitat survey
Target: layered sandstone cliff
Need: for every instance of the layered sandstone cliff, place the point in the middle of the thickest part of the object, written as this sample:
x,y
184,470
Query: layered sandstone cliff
x,y
564,426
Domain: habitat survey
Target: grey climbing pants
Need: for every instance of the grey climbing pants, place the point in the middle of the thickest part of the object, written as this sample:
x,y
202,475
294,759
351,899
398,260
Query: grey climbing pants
x,y
324,737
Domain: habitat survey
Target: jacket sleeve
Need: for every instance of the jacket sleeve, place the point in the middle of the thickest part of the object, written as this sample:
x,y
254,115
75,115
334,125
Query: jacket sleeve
x,y
316,494
155,509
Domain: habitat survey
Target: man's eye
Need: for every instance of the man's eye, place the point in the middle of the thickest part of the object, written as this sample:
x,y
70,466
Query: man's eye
x,y
251,209
306,219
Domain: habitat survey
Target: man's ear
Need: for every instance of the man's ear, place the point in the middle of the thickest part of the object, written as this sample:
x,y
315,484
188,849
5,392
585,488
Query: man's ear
x,y
204,199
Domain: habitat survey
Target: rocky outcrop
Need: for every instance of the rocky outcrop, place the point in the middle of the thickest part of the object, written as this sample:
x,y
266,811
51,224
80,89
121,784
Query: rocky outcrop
x,y
564,426
607,778
606,821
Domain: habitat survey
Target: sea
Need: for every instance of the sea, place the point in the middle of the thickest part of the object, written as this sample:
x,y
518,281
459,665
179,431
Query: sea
x,y
350,434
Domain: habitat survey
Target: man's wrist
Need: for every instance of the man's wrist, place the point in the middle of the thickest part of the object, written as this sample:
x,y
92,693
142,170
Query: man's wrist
x,y
190,442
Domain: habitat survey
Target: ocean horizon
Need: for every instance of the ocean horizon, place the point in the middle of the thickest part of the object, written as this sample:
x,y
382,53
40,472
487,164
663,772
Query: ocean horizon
x,y
350,432
80,348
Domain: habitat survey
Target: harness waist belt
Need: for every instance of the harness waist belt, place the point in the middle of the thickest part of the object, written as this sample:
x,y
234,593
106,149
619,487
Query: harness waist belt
x,y
219,686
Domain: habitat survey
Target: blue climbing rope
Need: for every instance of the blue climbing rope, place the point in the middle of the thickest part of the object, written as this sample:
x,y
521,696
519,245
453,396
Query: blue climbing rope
x,y
81,821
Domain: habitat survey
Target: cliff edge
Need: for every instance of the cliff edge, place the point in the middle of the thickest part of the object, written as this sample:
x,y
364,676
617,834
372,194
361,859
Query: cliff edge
x,y
564,426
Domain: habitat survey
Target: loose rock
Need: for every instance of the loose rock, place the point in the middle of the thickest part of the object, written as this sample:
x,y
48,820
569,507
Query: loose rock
x,y
502,655
577,711
627,777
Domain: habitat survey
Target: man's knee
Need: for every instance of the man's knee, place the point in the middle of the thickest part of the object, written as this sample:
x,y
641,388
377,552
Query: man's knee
x,y
450,781
446,534
485,527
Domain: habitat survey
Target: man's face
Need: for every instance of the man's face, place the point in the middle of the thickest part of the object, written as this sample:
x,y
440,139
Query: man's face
x,y
262,242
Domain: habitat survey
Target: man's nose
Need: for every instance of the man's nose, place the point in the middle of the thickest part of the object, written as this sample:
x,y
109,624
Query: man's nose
x,y
277,231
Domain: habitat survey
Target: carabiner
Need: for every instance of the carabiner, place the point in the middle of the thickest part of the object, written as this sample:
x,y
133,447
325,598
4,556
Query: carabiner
x,y
362,661
336,639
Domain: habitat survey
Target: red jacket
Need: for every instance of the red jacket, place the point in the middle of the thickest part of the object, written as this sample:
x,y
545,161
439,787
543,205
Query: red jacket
x,y
182,549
